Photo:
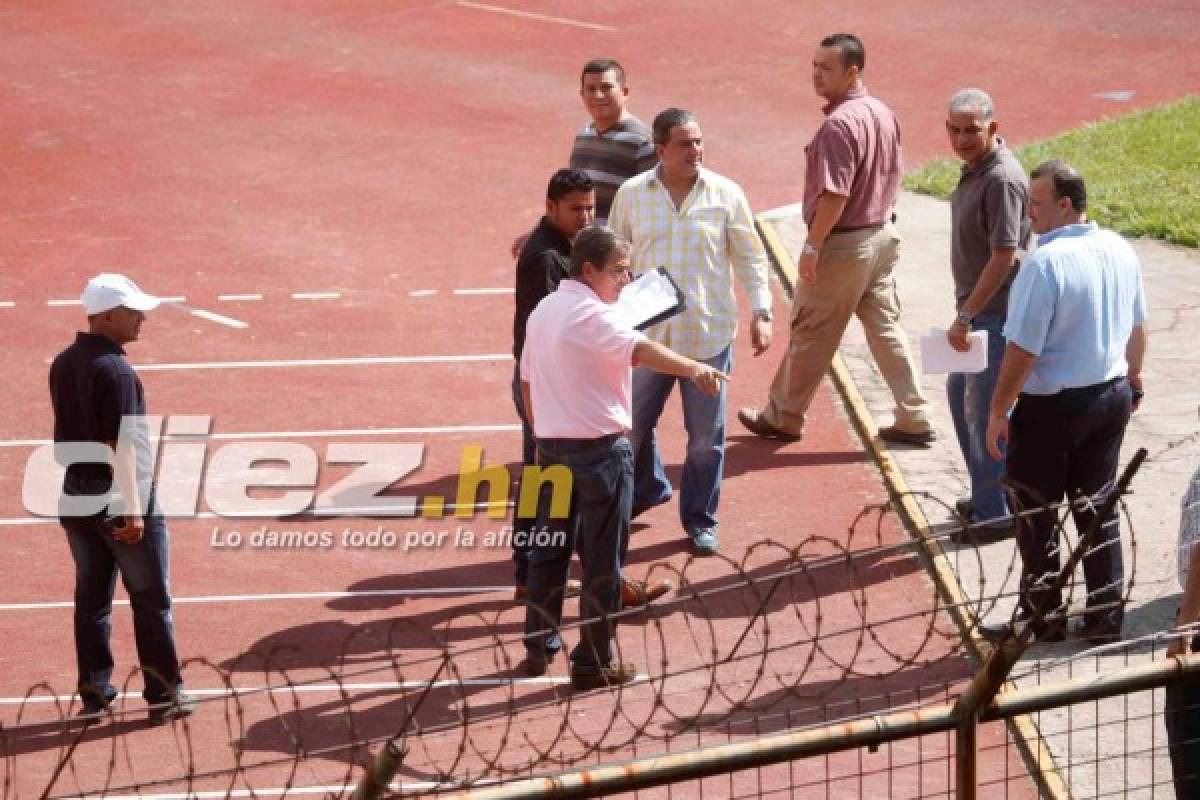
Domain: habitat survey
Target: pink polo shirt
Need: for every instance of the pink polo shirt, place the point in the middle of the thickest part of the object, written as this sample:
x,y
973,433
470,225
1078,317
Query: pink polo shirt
x,y
577,361
855,153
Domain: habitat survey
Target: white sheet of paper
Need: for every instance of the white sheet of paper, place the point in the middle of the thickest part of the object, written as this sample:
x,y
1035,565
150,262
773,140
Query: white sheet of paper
x,y
938,356
645,298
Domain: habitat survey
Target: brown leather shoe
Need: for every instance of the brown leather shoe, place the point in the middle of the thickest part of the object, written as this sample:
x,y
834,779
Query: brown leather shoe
x,y
896,436
752,420
641,593
573,588
611,675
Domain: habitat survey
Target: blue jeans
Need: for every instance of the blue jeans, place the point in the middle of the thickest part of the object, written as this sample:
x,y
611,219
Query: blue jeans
x,y
143,568
598,529
522,525
970,399
704,420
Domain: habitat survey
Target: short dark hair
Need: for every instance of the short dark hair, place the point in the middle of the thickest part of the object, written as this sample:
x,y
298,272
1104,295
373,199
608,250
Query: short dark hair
x,y
1067,181
668,119
595,245
598,66
853,52
565,181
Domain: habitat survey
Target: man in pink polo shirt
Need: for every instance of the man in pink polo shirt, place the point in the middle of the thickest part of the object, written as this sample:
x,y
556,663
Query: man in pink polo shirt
x,y
576,381
852,174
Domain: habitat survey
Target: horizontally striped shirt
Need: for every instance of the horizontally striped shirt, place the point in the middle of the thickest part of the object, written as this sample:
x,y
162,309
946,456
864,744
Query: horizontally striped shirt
x,y
702,244
613,157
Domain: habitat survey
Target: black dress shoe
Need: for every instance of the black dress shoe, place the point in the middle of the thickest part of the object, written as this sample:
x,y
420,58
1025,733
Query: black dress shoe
x,y
1096,633
1042,632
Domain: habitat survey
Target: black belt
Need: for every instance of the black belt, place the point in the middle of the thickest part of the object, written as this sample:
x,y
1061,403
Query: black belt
x,y
1076,393
853,228
608,439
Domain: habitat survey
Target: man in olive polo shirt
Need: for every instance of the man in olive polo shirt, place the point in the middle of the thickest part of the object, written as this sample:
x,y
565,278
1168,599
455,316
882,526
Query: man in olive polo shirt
x,y
98,399
990,233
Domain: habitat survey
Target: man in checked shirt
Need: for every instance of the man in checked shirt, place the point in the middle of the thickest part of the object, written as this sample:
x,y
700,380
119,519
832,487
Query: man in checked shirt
x,y
698,225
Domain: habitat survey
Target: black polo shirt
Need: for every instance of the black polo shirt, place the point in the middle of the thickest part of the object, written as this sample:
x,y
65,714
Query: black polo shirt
x,y
92,386
544,261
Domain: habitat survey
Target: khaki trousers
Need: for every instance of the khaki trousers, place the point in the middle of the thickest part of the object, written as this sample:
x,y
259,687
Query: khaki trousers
x,y
854,276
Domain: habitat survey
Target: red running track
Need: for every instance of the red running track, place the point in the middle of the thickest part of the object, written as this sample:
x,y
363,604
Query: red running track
x,y
387,153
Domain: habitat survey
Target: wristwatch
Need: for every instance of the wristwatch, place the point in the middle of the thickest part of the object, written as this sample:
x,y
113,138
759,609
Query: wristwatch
x,y
964,318
763,313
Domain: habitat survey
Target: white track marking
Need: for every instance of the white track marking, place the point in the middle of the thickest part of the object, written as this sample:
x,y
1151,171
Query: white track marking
x,y
422,292
243,598
239,297
7,304
344,789
540,17
57,303
247,435
317,688
220,319
316,295
267,515
498,290
324,362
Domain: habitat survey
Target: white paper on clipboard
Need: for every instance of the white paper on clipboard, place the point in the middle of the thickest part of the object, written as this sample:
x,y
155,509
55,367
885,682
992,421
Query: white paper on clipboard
x,y
937,356
648,300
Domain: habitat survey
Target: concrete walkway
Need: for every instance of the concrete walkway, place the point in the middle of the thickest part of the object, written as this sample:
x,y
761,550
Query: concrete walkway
x,y
1168,426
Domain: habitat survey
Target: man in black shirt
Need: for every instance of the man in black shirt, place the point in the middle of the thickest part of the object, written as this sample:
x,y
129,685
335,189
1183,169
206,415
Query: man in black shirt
x,y
98,399
545,259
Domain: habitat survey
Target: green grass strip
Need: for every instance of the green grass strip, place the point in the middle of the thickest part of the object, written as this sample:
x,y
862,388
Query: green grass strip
x,y
1142,170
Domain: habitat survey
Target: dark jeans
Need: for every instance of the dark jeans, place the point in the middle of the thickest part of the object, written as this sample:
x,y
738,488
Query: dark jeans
x,y
143,568
1181,714
597,527
1058,445
522,525
704,464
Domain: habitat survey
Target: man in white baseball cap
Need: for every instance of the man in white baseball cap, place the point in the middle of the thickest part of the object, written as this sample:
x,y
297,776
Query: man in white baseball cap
x,y
108,290
98,398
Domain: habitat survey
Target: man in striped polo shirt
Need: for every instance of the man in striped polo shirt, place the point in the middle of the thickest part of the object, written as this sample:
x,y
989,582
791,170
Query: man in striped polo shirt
x,y
615,145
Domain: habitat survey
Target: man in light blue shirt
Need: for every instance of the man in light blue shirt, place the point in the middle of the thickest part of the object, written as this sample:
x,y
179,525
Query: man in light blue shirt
x,y
1076,341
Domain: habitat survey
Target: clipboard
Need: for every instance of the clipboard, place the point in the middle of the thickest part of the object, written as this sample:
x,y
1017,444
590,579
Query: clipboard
x,y
649,299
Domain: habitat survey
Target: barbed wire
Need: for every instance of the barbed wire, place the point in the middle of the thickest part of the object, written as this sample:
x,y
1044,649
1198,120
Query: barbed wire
x,y
787,635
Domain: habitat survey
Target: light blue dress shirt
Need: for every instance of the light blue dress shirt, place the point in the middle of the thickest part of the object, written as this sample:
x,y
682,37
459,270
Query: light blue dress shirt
x,y
1073,304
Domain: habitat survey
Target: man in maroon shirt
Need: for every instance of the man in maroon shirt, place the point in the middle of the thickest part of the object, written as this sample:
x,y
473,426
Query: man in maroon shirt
x,y
853,170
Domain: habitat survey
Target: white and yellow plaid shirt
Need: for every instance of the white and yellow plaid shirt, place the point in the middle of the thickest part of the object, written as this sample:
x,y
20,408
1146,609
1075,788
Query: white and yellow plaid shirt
x,y
702,244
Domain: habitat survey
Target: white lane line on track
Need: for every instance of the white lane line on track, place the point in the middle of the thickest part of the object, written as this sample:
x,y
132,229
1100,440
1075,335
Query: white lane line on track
x,y
316,295
496,290
338,790
220,319
366,512
239,297
325,362
593,26
436,591
422,292
318,688
58,303
7,304
246,435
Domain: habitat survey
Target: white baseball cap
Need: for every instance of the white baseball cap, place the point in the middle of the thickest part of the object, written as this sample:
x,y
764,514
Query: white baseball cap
x,y
108,290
